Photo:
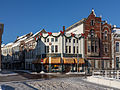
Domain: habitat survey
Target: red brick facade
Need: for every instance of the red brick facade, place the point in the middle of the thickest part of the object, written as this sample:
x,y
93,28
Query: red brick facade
x,y
97,42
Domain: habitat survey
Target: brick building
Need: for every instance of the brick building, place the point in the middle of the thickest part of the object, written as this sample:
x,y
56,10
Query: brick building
x,y
97,41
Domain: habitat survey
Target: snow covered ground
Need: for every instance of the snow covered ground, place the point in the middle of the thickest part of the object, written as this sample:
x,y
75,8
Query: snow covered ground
x,y
70,83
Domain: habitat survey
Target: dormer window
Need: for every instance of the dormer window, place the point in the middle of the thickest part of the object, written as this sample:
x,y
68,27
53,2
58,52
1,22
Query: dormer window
x,y
92,22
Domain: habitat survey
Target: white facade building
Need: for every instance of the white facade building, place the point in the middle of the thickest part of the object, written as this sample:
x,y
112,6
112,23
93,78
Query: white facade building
x,y
115,47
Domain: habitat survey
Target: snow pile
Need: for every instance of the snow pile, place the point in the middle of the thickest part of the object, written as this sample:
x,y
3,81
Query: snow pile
x,y
10,74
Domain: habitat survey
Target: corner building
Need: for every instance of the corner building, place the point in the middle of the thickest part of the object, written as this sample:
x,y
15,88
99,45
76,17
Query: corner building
x,y
97,41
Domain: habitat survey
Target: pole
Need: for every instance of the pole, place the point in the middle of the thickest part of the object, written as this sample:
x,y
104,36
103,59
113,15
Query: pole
x,y
50,57
77,62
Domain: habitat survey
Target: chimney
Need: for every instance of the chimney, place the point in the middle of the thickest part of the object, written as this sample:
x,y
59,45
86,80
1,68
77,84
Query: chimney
x,y
64,28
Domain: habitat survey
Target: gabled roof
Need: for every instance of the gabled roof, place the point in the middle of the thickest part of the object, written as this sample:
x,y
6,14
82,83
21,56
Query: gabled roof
x,y
41,31
21,38
76,24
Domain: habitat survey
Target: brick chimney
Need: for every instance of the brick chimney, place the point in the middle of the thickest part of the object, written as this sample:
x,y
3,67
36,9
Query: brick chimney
x,y
64,28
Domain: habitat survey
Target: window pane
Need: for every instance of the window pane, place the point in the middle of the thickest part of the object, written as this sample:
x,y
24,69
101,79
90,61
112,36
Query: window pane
x,y
88,48
52,39
52,48
66,40
117,46
77,40
92,22
56,48
73,40
77,49
117,62
48,40
47,49
45,40
66,50
69,49
73,49
56,39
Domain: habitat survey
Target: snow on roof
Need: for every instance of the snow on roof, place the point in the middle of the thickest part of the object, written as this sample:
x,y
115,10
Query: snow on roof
x,y
29,40
2,45
9,44
16,44
23,36
36,33
22,39
116,30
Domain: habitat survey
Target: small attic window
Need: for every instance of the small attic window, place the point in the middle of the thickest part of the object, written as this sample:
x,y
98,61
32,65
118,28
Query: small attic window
x,y
92,22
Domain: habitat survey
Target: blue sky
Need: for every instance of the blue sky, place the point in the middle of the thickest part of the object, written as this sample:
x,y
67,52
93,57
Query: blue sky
x,y
24,16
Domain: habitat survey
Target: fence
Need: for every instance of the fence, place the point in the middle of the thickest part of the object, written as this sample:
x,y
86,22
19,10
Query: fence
x,y
107,73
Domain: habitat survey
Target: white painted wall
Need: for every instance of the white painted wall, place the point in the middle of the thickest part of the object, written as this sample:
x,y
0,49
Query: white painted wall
x,y
78,30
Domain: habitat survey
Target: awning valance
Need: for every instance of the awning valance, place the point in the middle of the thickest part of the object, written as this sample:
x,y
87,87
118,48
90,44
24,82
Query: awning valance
x,y
68,61
81,61
55,60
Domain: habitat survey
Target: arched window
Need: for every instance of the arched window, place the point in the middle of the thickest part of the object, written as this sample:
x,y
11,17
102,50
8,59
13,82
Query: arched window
x,y
117,46
92,22
92,33
105,35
